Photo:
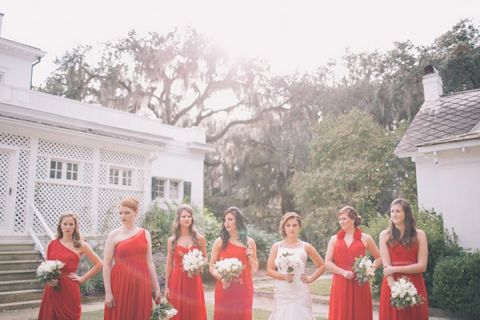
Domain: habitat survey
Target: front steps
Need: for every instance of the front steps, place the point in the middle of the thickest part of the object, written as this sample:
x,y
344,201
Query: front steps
x,y
19,287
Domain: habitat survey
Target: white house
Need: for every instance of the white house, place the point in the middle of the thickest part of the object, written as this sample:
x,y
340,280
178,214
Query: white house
x,y
444,142
61,155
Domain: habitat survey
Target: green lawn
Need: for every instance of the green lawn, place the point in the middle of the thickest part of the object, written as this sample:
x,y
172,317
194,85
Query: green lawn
x,y
319,287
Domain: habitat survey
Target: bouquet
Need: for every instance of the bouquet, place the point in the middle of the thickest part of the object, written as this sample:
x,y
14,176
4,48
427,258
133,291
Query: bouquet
x,y
49,270
364,269
404,294
229,269
288,262
163,311
193,262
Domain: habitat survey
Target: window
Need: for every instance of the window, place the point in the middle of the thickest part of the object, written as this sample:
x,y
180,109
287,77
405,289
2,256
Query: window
x,y
62,170
174,190
120,177
158,188
187,191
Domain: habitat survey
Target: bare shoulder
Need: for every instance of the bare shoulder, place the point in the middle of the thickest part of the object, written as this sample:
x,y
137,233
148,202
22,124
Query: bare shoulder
x,y
251,242
201,237
366,237
113,234
421,233
217,242
332,239
170,239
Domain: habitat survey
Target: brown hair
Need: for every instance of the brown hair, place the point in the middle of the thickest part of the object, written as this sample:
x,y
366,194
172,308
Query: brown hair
x,y
77,241
239,224
410,235
130,202
287,216
176,225
352,214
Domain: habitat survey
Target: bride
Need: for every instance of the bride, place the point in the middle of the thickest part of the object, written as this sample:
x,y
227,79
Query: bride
x,y
286,264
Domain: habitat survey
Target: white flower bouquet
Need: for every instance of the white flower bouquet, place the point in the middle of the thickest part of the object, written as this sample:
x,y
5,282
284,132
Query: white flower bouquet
x,y
49,270
404,294
229,269
163,311
364,269
288,262
193,262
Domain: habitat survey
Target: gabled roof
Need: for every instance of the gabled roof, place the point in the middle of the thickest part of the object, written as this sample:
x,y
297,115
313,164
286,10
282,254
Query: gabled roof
x,y
447,117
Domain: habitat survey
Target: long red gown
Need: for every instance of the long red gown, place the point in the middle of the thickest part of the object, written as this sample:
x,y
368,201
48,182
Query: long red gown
x,y
62,304
131,282
186,293
348,299
235,302
400,256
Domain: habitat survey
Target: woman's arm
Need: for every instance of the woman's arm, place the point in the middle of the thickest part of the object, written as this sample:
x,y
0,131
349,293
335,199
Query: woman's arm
x,y
107,269
385,256
93,258
252,254
272,269
422,258
151,268
374,251
168,266
330,264
317,260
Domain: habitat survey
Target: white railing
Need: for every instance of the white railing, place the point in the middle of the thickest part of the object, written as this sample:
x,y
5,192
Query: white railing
x,y
33,211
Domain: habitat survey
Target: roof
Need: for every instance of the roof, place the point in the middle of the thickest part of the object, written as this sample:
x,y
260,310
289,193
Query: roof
x,y
463,137
447,117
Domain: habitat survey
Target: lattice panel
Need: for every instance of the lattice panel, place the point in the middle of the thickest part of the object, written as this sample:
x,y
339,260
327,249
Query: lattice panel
x,y
102,176
42,168
122,158
4,163
14,140
52,199
108,201
88,173
64,151
22,190
141,179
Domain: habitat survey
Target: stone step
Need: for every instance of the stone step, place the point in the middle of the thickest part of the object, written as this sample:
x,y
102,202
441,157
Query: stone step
x,y
18,275
10,246
19,264
20,305
17,285
20,295
19,255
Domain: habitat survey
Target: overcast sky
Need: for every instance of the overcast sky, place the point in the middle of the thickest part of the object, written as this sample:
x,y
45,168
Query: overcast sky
x,y
297,35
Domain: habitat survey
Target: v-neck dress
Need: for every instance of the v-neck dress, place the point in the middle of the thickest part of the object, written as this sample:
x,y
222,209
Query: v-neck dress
x,y
348,299
186,293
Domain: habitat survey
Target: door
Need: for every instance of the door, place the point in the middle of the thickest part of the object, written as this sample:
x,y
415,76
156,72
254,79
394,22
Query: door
x,y
8,172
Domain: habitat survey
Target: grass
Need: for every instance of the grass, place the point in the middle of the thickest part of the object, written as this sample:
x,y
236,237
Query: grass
x,y
319,287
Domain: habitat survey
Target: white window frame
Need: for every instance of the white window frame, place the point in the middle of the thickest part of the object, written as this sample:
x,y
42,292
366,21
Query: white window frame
x,y
165,184
63,171
167,195
121,172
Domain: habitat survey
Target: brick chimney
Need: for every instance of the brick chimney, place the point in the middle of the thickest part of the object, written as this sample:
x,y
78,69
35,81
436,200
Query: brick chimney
x,y
432,84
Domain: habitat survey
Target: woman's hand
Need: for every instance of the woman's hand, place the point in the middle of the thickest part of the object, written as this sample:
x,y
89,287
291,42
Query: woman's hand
x,y
348,274
225,283
109,301
306,279
289,277
389,270
158,296
52,283
166,292
76,278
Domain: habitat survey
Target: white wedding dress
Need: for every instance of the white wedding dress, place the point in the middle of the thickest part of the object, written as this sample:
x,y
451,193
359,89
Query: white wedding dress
x,y
292,300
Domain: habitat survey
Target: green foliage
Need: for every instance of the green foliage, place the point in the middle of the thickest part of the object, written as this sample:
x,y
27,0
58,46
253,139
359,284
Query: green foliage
x,y
264,242
456,284
94,286
158,220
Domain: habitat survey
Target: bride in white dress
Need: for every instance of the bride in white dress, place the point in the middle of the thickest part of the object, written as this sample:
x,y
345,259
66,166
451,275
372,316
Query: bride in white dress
x,y
286,264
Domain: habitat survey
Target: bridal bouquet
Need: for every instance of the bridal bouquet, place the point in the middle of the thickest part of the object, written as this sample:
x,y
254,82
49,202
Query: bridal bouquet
x,y
404,294
364,269
163,311
229,269
193,262
49,270
288,262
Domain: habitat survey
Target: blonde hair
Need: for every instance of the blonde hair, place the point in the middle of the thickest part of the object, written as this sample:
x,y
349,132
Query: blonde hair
x,y
287,216
176,225
77,241
130,202
352,214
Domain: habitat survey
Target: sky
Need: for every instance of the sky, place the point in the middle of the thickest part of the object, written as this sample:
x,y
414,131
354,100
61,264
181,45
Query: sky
x,y
297,35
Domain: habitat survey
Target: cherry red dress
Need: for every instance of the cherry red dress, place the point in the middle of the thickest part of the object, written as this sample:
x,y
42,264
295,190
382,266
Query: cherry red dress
x,y
186,293
401,256
130,279
348,299
235,302
64,303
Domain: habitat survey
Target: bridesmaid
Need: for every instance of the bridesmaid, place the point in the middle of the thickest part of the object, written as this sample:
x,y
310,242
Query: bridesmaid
x,y
64,302
292,299
348,299
185,293
236,300
404,251
128,282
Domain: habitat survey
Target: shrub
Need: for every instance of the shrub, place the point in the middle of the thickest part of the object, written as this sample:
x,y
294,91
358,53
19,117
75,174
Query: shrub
x,y
456,284
264,242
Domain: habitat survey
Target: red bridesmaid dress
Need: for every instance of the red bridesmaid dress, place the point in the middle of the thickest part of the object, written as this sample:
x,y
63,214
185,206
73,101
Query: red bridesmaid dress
x,y
131,282
64,303
186,293
348,299
235,302
400,256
